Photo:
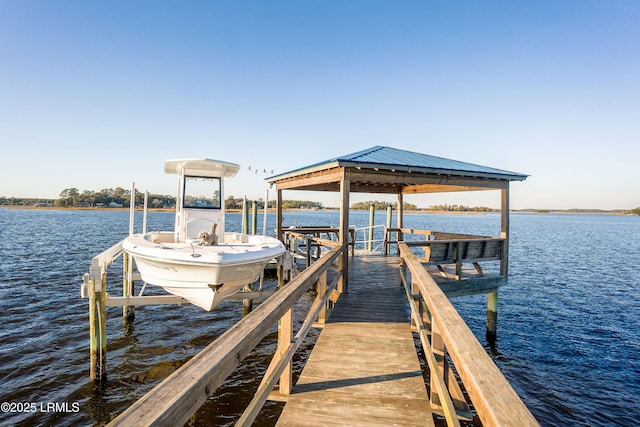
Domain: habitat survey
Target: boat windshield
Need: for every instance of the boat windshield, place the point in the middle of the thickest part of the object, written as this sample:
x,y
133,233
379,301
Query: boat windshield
x,y
201,192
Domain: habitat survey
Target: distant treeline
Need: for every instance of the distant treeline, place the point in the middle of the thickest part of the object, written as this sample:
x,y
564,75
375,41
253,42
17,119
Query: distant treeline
x,y
110,197
460,208
119,197
233,203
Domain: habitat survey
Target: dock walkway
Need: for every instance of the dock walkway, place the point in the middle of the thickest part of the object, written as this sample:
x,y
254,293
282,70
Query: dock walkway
x,y
363,369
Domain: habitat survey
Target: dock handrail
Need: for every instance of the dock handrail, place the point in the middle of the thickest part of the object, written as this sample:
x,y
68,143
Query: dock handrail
x,y
368,243
179,396
103,260
495,401
312,241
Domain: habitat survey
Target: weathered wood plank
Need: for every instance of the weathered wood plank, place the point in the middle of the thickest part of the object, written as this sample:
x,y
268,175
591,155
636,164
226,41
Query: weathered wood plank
x,y
331,410
363,369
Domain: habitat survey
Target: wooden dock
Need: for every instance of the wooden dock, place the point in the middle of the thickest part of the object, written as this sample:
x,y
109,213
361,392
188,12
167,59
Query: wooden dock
x,y
363,369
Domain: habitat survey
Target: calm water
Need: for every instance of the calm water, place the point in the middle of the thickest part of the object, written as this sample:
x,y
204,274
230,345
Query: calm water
x,y
568,322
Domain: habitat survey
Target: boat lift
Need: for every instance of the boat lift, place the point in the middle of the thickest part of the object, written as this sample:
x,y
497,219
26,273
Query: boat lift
x,y
94,288
101,262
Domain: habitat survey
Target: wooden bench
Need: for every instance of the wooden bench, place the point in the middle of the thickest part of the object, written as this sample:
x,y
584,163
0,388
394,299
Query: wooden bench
x,y
440,252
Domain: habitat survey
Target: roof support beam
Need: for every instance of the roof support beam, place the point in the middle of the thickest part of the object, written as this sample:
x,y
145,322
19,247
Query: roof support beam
x,y
345,186
504,232
434,188
279,234
411,179
362,181
312,180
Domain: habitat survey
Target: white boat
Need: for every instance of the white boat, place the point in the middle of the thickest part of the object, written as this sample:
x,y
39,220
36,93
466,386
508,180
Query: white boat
x,y
199,261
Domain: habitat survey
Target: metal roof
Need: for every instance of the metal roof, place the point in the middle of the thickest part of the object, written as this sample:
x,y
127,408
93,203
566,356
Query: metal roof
x,y
393,159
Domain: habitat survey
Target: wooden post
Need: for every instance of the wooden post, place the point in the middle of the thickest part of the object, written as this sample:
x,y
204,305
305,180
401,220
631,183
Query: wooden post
x,y
127,261
457,249
372,211
285,338
279,215
492,318
400,218
504,232
387,245
128,311
345,185
247,304
245,217
291,242
321,289
98,328
437,348
492,298
254,218
415,294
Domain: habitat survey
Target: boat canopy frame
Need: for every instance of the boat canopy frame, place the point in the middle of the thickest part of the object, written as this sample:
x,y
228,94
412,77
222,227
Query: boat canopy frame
x,y
185,213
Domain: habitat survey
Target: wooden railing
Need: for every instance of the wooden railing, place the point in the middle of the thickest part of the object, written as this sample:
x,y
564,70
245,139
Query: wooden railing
x,y
312,240
430,235
441,329
179,396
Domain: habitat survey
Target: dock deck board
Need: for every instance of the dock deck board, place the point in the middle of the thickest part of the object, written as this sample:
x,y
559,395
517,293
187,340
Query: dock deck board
x,y
363,370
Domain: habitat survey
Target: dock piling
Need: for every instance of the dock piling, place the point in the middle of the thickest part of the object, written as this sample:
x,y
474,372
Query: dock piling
x,y
128,311
254,218
387,245
245,216
372,211
98,327
247,303
492,318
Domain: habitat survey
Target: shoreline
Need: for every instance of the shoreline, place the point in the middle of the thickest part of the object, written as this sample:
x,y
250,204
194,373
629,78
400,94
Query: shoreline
x,y
514,211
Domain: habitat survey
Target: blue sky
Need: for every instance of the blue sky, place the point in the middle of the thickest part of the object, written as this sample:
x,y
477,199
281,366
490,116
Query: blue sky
x,y
97,94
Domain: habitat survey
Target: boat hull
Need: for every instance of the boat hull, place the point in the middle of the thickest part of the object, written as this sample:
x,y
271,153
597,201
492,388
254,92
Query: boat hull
x,y
203,275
